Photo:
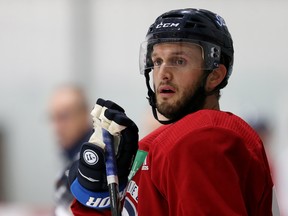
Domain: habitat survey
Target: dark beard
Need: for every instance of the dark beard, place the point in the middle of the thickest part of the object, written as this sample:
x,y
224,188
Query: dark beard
x,y
189,104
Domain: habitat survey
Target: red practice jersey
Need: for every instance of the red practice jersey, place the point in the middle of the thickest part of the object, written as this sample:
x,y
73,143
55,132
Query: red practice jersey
x,y
208,163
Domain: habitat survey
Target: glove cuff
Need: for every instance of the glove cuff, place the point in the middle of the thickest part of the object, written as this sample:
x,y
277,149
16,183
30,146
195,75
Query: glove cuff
x,y
91,199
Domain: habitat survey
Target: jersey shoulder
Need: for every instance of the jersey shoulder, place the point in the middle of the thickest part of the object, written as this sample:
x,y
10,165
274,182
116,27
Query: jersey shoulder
x,y
216,121
144,143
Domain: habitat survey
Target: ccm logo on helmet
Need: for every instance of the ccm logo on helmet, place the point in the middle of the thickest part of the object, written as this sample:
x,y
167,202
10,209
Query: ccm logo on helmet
x,y
167,25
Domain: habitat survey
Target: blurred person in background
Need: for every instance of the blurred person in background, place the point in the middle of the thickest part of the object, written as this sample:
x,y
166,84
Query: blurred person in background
x,y
281,159
263,129
70,118
2,191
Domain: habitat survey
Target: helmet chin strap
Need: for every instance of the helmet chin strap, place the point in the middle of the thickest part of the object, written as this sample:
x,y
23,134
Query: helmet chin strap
x,y
152,99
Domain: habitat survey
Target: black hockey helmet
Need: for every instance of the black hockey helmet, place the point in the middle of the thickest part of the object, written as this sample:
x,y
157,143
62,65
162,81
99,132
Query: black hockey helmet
x,y
198,26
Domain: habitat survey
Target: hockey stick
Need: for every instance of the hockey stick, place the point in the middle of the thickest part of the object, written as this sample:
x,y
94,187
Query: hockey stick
x,y
111,172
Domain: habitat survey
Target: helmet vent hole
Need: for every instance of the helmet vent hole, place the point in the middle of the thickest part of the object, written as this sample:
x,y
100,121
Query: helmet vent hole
x,y
190,25
193,25
173,16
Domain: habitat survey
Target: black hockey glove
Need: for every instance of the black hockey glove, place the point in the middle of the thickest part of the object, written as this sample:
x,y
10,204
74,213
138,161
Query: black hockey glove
x,y
87,177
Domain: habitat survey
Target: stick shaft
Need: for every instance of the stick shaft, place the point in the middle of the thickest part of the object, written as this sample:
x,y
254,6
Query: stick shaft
x,y
111,171
114,199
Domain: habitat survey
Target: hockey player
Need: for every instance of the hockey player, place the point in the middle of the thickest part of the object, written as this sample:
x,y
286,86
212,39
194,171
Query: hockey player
x,y
203,161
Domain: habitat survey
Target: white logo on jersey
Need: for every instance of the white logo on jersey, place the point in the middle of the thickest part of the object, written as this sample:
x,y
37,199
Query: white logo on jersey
x,y
132,189
145,166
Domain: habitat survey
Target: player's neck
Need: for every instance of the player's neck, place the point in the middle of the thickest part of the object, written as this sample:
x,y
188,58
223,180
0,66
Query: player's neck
x,y
212,102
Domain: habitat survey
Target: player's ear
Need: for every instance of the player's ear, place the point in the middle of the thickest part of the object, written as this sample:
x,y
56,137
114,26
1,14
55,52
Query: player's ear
x,y
215,78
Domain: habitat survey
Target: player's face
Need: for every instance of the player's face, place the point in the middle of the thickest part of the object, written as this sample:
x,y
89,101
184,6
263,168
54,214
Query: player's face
x,y
177,75
69,118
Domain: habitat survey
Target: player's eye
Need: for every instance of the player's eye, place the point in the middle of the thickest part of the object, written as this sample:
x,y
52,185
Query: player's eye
x,y
157,62
179,62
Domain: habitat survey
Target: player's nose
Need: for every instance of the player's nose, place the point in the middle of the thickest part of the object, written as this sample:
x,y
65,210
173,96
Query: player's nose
x,y
165,72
